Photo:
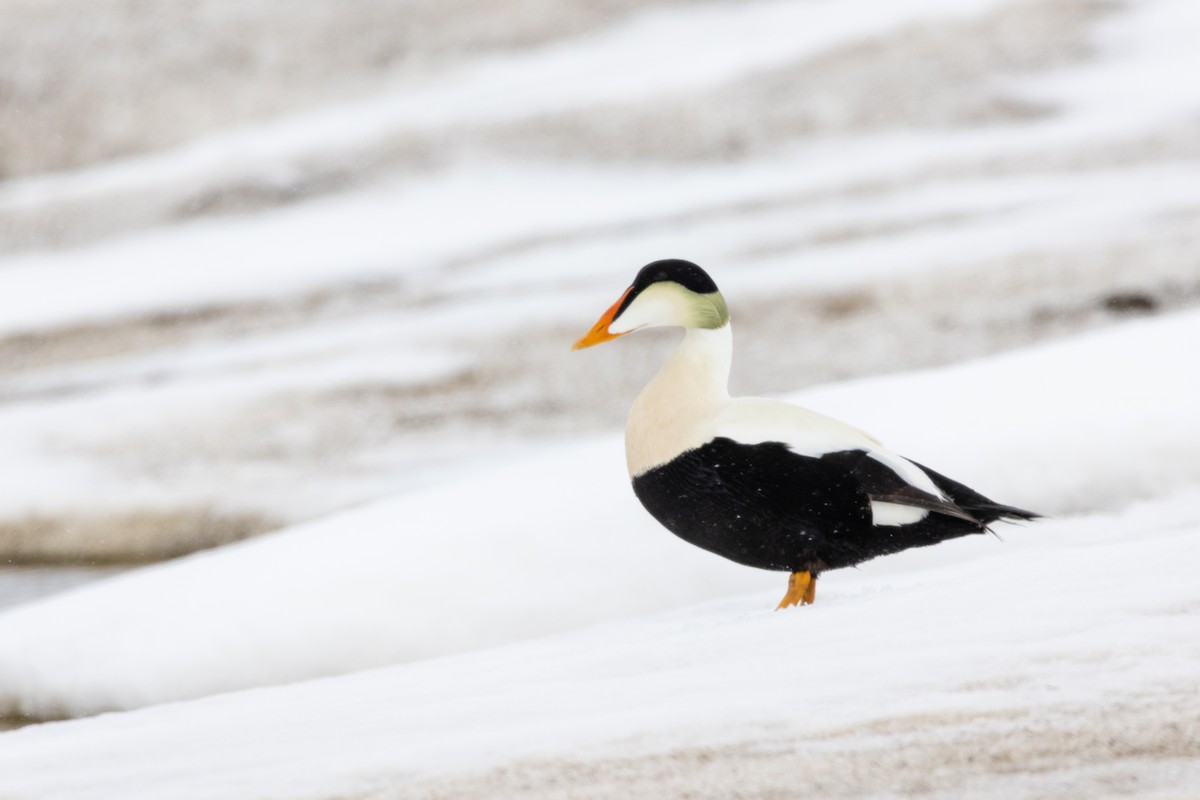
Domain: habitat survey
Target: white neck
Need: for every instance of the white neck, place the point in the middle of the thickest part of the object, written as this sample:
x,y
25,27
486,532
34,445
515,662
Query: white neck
x,y
672,414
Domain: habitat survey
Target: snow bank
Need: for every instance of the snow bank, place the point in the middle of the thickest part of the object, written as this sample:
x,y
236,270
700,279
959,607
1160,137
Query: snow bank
x,y
977,665
558,541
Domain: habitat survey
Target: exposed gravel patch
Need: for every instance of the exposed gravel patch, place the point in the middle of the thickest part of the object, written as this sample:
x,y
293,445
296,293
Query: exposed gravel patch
x,y
1142,747
934,75
120,538
83,81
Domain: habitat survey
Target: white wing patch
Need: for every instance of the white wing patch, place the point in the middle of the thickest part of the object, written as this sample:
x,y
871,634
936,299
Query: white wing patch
x,y
888,514
910,472
754,420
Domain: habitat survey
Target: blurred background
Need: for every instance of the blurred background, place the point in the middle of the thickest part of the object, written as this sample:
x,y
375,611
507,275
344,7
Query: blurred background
x,y
264,260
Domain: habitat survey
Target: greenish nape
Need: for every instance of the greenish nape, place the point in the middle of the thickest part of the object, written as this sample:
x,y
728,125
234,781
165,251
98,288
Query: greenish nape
x,y
711,312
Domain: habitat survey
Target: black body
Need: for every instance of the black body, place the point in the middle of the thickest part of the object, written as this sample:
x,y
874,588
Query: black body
x,y
765,506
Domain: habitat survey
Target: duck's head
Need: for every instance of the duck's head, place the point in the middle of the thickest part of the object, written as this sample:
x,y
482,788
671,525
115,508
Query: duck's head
x,y
669,292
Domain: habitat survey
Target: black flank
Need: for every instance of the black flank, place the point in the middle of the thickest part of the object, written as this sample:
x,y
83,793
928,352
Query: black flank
x,y
765,506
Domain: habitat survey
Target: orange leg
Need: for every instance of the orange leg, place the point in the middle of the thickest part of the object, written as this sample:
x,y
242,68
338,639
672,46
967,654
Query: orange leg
x,y
800,590
810,594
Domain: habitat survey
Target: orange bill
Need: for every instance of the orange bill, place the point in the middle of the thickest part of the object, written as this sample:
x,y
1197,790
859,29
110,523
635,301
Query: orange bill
x,y
599,332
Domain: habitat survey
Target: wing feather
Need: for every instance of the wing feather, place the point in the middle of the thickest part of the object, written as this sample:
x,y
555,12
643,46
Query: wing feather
x,y
886,476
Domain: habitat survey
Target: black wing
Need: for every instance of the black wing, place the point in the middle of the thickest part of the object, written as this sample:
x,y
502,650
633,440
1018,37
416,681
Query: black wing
x,y
981,507
882,484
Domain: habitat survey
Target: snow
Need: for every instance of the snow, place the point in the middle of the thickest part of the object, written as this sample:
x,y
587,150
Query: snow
x,y
558,541
1052,625
187,385
1136,86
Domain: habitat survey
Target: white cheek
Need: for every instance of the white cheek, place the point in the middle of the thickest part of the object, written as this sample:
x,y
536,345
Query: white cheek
x,y
655,306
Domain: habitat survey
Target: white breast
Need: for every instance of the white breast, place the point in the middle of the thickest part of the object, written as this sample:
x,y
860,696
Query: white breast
x,y
675,412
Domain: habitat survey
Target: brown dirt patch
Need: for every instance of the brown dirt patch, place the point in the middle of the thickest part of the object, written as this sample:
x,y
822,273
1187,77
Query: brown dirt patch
x,y
935,74
124,537
1136,748
83,81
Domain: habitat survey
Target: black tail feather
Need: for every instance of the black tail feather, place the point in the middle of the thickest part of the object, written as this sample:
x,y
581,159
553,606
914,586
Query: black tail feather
x,y
980,507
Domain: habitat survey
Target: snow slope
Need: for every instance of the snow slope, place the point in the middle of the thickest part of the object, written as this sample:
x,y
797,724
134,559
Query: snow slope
x,y
558,541
1047,668
378,293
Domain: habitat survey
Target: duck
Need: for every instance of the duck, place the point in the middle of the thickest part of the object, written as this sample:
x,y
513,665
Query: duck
x,y
760,481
